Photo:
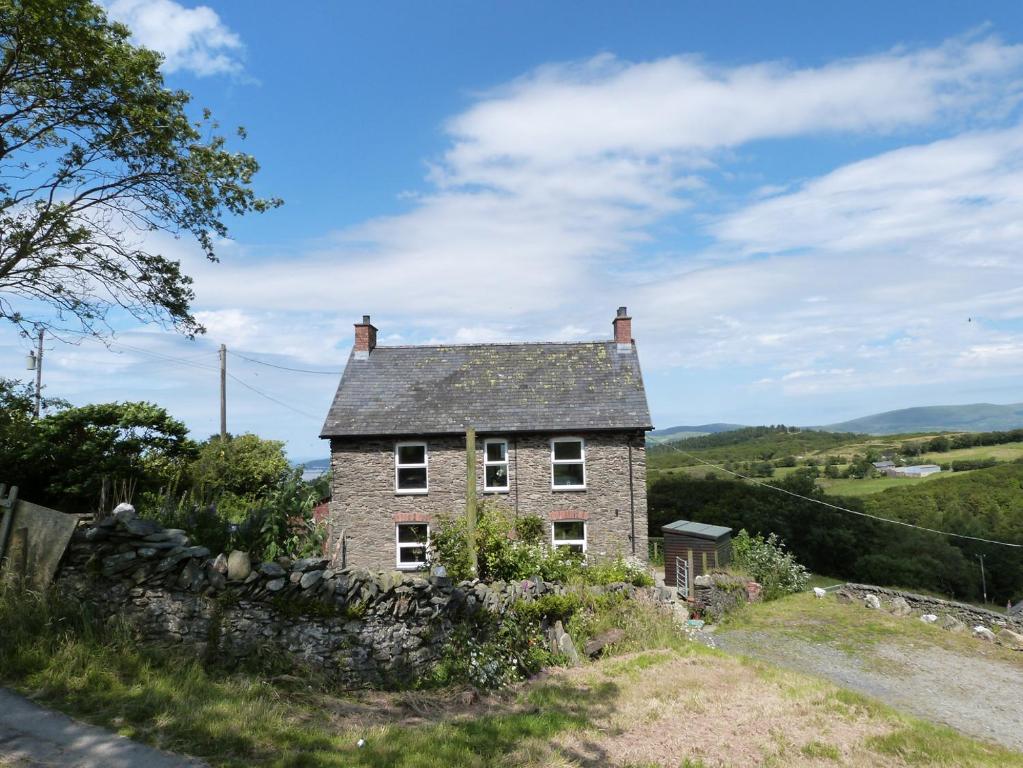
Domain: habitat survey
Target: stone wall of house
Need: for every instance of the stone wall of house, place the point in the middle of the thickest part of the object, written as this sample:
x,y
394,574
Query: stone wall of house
x,y
365,507
353,626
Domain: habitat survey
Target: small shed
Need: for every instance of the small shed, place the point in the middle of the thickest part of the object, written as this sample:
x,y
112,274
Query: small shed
x,y
702,546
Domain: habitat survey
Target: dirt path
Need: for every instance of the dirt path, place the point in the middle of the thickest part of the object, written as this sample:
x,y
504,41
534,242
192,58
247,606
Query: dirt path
x,y
32,737
977,696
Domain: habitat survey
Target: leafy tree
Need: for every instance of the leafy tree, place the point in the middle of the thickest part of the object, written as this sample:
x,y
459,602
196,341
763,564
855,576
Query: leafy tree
x,y
95,150
136,446
238,470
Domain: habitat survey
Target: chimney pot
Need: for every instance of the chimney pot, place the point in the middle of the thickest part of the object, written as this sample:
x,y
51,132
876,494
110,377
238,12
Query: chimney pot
x,y
622,312
365,320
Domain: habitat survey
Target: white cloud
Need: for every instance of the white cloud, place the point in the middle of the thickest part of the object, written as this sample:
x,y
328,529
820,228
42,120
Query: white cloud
x,y
193,39
571,191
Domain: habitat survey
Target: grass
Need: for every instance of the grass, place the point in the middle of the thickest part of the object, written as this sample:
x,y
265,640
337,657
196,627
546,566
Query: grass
x,y
1003,452
871,485
853,629
666,701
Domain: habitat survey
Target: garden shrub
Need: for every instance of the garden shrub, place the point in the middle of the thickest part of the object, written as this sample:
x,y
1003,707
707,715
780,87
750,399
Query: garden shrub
x,y
506,549
767,562
617,571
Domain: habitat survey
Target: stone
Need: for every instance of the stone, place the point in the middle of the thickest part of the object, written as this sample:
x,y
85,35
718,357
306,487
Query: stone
x,y
96,533
140,528
309,564
754,592
703,581
928,618
124,512
873,602
146,552
597,644
899,607
567,648
239,566
217,580
844,596
983,633
117,563
220,563
188,574
310,579
819,593
272,570
276,585
951,623
1010,639
197,552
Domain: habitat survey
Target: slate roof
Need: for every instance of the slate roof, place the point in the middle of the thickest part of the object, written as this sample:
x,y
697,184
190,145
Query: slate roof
x,y
699,530
492,387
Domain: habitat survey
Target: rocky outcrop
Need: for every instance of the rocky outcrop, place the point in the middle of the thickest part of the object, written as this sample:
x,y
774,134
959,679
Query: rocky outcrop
x,y
356,627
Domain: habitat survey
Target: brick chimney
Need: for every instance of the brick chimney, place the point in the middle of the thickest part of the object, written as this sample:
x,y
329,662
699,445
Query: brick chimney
x,y
365,338
623,327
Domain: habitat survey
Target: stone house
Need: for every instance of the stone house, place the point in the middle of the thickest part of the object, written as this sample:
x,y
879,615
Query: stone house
x,y
560,433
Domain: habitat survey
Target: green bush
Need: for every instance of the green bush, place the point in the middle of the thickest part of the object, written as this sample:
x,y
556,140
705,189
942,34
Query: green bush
x,y
617,571
506,549
767,562
493,652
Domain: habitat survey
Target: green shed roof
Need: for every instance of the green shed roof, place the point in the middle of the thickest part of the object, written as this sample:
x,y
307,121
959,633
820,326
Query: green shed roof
x,y
700,530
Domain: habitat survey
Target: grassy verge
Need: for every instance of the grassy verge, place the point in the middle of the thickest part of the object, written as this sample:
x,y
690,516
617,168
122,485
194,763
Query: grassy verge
x,y
853,628
664,702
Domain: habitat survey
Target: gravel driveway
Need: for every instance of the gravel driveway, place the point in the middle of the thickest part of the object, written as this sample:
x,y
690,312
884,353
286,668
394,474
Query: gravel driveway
x,y
979,697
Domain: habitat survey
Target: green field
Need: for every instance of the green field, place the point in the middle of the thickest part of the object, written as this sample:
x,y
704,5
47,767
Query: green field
x,y
1004,452
868,486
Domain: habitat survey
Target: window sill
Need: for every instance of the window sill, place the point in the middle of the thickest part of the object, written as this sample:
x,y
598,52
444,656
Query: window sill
x,y
559,488
422,492
496,490
410,567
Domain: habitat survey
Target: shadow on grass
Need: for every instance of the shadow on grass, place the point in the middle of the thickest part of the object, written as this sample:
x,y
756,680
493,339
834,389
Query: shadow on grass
x,y
169,699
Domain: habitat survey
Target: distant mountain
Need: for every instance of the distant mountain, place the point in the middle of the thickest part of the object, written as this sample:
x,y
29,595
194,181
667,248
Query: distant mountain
x,y
686,432
979,417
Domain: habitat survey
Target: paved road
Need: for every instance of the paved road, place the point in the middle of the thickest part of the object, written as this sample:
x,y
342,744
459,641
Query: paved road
x,y
33,737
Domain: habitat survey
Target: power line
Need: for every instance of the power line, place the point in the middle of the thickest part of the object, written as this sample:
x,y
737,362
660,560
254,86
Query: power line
x,y
272,399
843,509
284,367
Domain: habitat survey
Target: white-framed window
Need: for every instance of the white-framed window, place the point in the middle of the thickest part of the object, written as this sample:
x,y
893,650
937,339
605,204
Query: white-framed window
x,y
570,534
412,541
568,464
411,470
495,465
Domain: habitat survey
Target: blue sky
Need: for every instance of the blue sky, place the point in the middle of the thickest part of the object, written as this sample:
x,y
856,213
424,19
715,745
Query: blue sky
x,y
812,210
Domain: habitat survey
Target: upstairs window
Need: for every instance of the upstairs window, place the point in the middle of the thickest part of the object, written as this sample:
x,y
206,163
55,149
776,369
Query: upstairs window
x,y
495,465
570,535
568,464
410,468
413,539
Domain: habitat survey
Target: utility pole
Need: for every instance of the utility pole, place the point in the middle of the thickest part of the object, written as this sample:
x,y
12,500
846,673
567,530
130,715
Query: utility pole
x,y
223,392
35,363
983,578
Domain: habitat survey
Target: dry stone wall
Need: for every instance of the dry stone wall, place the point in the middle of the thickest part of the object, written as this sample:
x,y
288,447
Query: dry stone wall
x,y
356,627
968,615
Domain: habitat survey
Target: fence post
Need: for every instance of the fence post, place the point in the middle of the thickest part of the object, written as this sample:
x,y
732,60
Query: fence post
x,y
690,562
470,495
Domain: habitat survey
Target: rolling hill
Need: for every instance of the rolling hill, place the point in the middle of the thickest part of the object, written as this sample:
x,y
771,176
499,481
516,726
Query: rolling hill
x,y
686,432
978,417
